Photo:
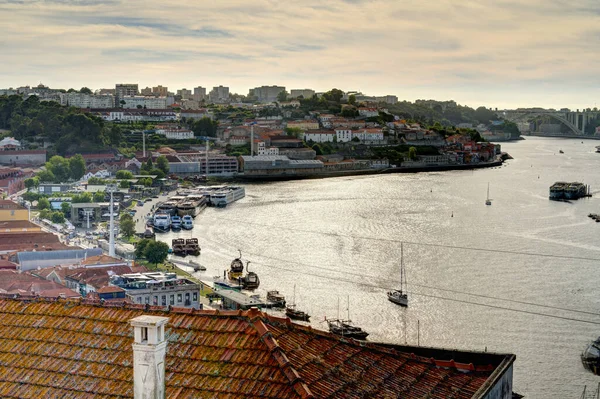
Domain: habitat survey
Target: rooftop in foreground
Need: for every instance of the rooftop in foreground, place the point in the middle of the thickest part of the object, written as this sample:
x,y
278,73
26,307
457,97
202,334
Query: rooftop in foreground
x,y
77,349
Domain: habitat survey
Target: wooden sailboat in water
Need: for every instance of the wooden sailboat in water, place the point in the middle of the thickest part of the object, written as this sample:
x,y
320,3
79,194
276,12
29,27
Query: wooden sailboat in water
x,y
400,297
293,313
345,327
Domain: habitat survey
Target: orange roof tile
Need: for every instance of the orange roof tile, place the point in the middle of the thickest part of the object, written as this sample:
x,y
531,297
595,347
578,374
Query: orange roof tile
x,y
79,349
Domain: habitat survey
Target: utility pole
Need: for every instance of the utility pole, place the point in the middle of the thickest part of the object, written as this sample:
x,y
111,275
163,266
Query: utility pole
x,y
252,140
206,157
111,188
144,143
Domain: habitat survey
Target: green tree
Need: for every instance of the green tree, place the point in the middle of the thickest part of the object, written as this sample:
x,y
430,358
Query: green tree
x,y
205,127
158,173
162,163
412,153
81,198
124,184
148,165
352,99
334,95
65,208
124,174
76,167
294,132
45,214
99,196
126,225
147,181
140,248
43,203
32,182
156,252
282,96
57,217
85,90
59,167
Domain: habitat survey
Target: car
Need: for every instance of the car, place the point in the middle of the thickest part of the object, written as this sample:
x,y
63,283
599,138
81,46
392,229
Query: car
x,y
155,196
148,200
140,203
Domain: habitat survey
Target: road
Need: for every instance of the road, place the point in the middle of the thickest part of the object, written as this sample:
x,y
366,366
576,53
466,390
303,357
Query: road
x,y
142,211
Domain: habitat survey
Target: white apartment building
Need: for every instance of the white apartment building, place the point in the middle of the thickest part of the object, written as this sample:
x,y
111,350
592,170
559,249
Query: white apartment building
x,y
184,93
125,89
305,124
199,93
264,150
368,112
320,136
176,134
145,102
305,93
219,94
82,100
326,119
343,135
368,135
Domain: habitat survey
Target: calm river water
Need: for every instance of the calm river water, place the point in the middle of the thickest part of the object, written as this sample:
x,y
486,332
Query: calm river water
x,y
339,238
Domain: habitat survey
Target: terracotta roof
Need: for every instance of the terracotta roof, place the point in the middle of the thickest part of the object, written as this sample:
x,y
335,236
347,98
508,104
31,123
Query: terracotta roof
x,y
5,264
96,277
28,241
110,289
18,224
78,349
103,260
8,204
12,281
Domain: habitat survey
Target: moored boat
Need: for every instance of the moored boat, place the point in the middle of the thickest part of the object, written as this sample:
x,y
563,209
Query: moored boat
x,y
400,297
187,222
161,222
293,313
175,222
192,205
192,247
590,357
178,245
277,299
346,329
227,195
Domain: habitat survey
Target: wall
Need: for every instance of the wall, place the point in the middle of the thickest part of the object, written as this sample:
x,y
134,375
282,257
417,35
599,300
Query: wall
x,y
13,214
21,158
503,387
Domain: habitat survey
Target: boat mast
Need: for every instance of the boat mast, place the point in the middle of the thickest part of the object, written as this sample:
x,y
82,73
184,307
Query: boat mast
x,y
488,192
294,302
401,265
348,308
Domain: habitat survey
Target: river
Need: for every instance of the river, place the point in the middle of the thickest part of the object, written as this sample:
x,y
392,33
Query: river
x,y
338,238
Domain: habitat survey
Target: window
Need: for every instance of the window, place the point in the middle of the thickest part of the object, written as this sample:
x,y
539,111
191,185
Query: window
x,y
187,296
147,299
172,299
179,298
155,300
164,300
195,297
139,299
144,334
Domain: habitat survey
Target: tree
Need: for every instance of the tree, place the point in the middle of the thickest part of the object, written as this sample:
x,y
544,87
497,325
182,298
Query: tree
x,y
352,99
85,90
99,196
45,214
65,208
294,132
205,127
158,173
147,181
76,167
334,95
162,163
46,176
141,247
124,174
57,217
139,106
124,184
43,203
60,168
156,252
127,225
31,183
282,96
412,153
148,165
81,198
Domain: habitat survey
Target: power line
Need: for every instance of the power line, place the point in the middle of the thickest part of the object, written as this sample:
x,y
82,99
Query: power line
x,y
502,251
435,296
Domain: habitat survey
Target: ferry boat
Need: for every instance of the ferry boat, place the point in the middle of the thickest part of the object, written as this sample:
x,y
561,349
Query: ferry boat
x,y
277,299
168,207
187,222
227,195
161,222
192,205
175,222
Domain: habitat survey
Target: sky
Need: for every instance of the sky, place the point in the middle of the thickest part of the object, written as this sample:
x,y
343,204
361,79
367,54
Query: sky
x,y
502,53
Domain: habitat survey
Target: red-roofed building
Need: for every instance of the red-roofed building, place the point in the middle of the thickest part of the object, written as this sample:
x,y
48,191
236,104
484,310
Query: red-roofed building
x,y
83,349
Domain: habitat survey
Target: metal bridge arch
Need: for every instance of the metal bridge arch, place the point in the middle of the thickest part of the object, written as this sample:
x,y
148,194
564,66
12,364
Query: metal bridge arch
x,y
558,117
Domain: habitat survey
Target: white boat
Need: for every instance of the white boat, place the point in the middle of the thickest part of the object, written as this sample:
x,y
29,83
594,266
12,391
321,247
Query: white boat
x,y
227,195
488,200
187,222
192,205
162,222
400,297
175,222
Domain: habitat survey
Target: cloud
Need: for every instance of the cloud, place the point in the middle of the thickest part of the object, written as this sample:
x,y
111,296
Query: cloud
x,y
412,48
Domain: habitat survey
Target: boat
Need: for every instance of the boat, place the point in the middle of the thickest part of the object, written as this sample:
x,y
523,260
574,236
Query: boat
x,y
277,299
488,200
293,313
161,222
250,281
590,357
345,327
236,269
400,297
195,265
175,222
227,195
561,152
178,245
192,205
598,148
187,222
169,207
192,247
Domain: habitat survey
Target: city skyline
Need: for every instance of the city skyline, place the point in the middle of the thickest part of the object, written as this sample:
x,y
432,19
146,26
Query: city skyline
x,y
503,55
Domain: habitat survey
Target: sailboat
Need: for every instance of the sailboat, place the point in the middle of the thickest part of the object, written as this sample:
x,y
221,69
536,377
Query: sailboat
x,y
488,200
345,327
400,297
295,314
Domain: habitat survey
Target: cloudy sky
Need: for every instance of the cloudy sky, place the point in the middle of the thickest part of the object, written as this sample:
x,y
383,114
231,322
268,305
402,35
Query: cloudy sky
x,y
498,53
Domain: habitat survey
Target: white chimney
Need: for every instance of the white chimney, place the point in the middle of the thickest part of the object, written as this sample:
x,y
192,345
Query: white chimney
x,y
149,348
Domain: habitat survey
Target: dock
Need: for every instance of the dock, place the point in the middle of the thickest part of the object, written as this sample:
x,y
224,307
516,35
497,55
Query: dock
x,y
567,191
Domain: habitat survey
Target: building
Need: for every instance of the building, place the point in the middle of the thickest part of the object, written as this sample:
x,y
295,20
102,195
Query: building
x,y
160,91
176,134
148,102
368,112
343,135
199,94
10,210
30,260
133,115
146,92
85,280
23,157
159,289
125,89
304,124
12,282
10,144
115,349
373,136
219,94
262,149
18,226
82,100
184,93
320,136
196,114
266,94
266,165
51,188
304,93
184,164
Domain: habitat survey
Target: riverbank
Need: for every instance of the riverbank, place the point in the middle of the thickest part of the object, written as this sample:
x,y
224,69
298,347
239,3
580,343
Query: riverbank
x,y
357,172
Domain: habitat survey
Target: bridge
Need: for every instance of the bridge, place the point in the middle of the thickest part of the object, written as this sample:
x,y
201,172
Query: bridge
x,y
575,121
